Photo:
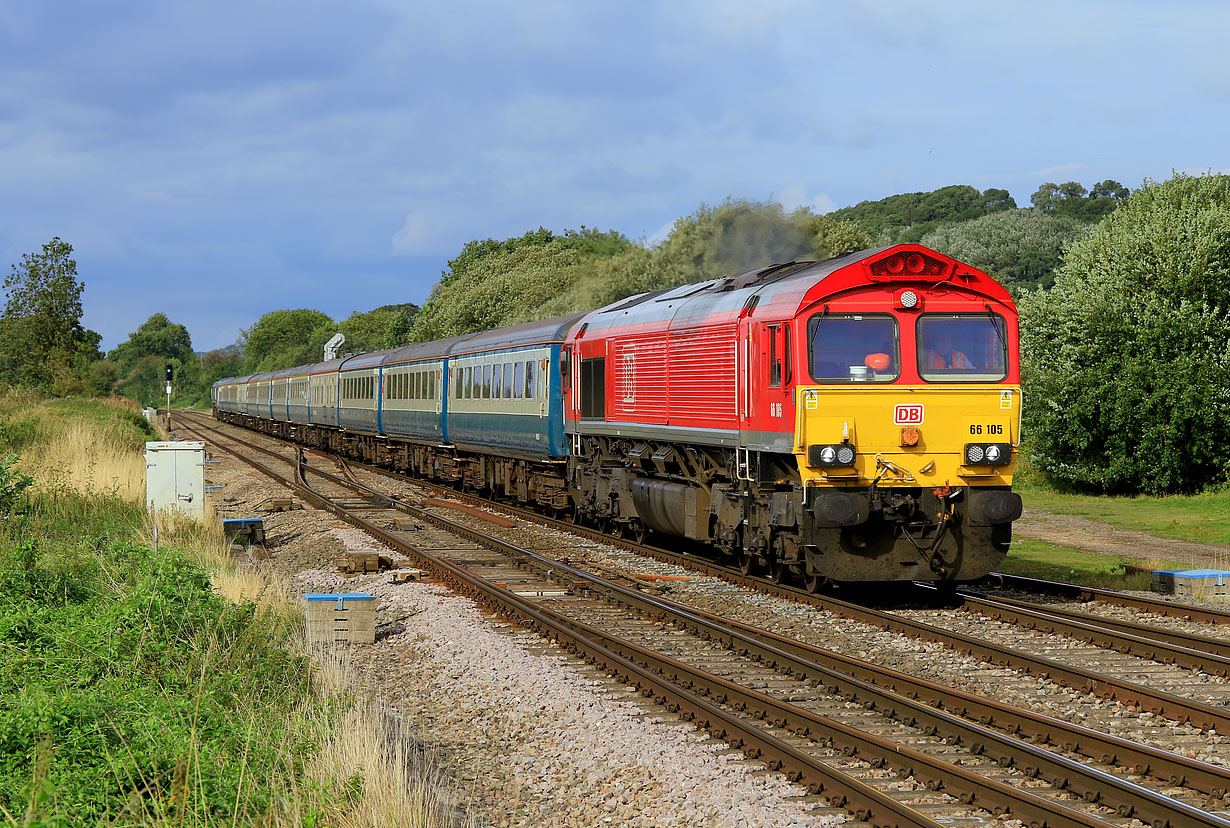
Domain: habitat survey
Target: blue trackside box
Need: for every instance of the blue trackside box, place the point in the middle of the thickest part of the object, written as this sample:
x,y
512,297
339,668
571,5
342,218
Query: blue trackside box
x,y
339,597
251,529
1192,582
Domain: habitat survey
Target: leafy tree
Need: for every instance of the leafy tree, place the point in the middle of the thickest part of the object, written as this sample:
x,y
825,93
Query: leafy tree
x,y
1126,358
44,343
139,361
157,336
1020,248
500,288
1072,199
399,329
907,217
371,331
285,338
144,381
494,283
1109,189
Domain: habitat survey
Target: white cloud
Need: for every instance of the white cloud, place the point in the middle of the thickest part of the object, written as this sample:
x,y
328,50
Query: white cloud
x,y
661,234
419,235
792,198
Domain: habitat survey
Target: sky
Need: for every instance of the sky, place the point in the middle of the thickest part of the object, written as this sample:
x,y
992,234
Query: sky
x,y
218,160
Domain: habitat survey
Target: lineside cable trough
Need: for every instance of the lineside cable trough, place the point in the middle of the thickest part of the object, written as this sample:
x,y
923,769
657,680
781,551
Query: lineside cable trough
x,y
340,618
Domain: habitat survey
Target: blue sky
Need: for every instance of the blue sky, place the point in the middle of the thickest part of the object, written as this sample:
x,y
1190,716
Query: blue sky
x,y
218,160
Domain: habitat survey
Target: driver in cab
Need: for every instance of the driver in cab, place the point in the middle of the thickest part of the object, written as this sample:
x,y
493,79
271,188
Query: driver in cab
x,y
942,355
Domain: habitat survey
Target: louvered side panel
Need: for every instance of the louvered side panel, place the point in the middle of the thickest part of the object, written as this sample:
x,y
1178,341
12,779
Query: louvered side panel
x,y
638,386
703,378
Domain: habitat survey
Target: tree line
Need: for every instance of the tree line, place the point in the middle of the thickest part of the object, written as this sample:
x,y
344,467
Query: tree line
x,y
1124,300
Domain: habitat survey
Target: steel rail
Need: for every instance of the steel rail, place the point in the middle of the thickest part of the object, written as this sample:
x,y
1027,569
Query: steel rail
x,y
863,801
1198,652
1144,760
1171,609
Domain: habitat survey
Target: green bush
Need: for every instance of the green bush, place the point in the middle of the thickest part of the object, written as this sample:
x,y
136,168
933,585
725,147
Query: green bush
x,y
130,693
12,484
1126,358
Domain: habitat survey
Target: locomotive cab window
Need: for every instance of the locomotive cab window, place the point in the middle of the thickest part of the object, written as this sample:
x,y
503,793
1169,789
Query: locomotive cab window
x,y
779,355
853,348
962,347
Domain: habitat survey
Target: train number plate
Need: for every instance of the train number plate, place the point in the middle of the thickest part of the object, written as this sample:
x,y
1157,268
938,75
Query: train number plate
x,y
908,414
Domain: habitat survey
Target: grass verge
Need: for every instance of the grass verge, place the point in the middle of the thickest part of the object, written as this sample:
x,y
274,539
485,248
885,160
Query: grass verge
x,y
1035,559
167,687
1203,518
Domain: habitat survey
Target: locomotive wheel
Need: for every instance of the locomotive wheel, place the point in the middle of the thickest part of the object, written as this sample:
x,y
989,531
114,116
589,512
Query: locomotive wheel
x,y
779,573
812,583
747,561
640,533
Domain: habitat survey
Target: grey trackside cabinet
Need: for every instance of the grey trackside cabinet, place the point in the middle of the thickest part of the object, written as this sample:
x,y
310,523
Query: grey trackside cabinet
x,y
175,477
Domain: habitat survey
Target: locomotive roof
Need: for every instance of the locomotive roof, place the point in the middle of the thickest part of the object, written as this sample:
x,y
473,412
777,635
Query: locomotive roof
x,y
727,296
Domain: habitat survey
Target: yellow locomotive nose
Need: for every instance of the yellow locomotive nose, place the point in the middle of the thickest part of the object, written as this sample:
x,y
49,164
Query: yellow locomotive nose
x,y
963,435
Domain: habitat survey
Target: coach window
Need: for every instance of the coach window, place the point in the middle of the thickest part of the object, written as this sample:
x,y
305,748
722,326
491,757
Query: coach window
x,y
519,380
497,382
508,380
487,381
431,384
853,348
962,347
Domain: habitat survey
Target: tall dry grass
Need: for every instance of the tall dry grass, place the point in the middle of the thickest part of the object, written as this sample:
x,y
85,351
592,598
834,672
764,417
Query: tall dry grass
x,y
88,458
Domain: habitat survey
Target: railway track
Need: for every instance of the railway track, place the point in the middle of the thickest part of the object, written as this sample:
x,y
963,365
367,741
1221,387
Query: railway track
x,y
880,732
1189,696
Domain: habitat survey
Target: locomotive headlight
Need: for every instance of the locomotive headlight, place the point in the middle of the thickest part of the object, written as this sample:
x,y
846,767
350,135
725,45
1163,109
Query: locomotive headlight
x,y
837,454
988,454
909,299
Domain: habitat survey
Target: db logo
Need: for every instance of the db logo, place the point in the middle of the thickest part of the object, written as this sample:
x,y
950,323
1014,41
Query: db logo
x,y
908,415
